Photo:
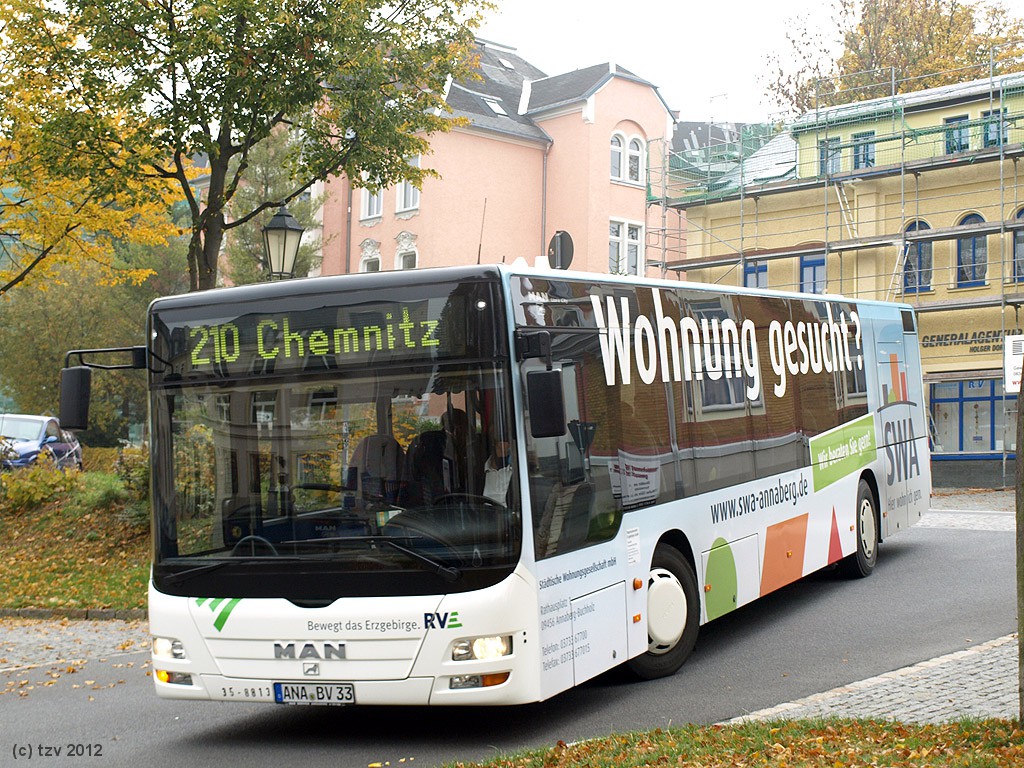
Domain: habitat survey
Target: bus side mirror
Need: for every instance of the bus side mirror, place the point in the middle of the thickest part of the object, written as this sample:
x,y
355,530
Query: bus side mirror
x,y
75,385
547,407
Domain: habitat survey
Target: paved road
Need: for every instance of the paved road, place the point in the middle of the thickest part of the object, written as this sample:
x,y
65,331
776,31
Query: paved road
x,y
942,595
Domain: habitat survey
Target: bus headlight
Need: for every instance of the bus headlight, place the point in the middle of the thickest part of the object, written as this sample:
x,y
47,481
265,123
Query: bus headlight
x,y
482,648
168,648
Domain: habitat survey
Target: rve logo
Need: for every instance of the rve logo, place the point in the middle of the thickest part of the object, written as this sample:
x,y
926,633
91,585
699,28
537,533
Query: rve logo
x,y
441,620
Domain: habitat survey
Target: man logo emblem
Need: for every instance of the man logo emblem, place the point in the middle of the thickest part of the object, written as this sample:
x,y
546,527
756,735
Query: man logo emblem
x,y
311,670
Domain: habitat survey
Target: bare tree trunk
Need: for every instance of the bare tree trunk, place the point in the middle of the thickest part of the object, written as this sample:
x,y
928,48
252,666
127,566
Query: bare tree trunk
x,y
195,252
210,256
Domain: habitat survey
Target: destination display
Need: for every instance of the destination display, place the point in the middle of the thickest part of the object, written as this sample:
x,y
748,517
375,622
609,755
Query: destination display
x,y
320,338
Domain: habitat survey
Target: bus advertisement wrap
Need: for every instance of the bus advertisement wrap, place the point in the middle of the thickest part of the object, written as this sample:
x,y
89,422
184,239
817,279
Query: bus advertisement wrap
x,y
843,451
684,349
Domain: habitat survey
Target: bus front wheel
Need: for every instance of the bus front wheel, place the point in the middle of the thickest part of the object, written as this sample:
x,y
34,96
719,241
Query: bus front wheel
x,y
673,615
862,562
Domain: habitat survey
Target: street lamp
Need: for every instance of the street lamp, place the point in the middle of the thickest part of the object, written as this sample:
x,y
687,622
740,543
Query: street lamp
x,y
281,238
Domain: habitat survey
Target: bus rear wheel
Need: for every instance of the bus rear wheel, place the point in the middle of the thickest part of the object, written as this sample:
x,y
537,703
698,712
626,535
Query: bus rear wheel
x,y
862,562
673,615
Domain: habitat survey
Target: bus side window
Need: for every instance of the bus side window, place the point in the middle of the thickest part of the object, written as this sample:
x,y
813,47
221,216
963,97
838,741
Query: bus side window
x,y
571,490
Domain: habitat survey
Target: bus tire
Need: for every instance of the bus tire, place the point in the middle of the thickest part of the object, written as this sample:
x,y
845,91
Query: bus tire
x,y
673,615
862,562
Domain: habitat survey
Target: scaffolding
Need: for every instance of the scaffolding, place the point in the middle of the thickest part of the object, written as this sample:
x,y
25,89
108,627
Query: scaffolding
x,y
914,195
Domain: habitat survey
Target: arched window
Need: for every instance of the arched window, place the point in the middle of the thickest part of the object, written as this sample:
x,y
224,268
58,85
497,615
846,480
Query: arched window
x,y
635,161
917,261
1018,249
616,156
971,256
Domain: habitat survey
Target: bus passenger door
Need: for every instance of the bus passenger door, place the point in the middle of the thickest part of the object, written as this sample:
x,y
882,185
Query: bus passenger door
x,y
899,426
575,521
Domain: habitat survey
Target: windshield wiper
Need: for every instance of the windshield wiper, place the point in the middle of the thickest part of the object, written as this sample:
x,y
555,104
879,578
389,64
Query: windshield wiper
x,y
188,573
447,572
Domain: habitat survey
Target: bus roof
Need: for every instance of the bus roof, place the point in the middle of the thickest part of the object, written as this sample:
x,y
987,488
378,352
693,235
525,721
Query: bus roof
x,y
520,268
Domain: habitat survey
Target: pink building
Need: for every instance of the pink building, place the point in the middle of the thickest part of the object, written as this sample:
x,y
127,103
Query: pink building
x,y
538,154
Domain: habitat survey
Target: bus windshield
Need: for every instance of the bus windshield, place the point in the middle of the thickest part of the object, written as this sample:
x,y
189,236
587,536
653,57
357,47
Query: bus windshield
x,y
334,480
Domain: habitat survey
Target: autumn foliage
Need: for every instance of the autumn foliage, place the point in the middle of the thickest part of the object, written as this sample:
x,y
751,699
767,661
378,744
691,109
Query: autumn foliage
x,y
874,48
790,744
136,91
62,200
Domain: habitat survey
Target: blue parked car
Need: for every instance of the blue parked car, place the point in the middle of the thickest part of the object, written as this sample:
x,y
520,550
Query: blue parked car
x,y
23,438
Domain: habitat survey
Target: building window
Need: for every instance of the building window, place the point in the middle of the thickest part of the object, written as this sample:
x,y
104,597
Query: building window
x,y
369,255
408,195
627,159
828,156
970,417
406,260
1018,249
755,274
864,150
616,157
373,204
917,261
635,161
957,135
812,274
971,256
996,131
625,248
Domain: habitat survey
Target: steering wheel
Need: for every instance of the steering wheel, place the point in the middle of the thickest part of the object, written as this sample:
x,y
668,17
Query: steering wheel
x,y
255,542
470,498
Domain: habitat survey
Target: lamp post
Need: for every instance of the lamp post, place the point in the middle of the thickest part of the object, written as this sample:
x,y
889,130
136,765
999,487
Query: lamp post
x,y
281,238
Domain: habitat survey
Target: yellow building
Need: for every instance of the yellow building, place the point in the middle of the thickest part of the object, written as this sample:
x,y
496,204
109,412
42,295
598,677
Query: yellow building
x,y
916,197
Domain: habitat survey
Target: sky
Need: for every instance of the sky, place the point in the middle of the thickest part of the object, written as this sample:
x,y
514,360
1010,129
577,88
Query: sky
x,y
705,58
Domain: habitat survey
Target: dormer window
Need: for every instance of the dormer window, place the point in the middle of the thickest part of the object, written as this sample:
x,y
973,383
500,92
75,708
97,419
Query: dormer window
x,y
495,106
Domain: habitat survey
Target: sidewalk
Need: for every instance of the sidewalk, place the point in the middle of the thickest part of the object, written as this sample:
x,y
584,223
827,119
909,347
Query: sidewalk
x,y
980,681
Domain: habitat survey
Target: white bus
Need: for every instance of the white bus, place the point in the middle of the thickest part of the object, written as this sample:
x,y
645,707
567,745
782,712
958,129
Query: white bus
x,y
486,485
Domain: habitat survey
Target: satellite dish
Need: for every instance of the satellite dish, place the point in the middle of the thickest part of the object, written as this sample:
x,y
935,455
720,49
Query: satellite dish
x,y
560,250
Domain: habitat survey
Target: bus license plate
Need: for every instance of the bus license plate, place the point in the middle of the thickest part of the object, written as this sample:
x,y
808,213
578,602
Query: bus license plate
x,y
314,693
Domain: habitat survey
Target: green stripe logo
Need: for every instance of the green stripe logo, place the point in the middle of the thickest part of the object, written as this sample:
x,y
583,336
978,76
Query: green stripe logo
x,y
221,608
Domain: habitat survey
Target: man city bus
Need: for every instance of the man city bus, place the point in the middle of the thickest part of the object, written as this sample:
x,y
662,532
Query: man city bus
x,y
486,485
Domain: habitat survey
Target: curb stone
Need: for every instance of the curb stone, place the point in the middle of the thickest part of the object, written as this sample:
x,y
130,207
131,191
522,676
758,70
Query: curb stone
x,y
118,614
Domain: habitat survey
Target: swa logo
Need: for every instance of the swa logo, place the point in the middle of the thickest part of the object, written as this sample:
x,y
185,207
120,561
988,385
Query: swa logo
x,y
898,437
441,620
